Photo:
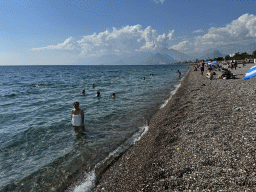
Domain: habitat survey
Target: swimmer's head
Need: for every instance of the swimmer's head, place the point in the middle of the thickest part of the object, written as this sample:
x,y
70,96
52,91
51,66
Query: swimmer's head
x,y
113,94
98,94
83,91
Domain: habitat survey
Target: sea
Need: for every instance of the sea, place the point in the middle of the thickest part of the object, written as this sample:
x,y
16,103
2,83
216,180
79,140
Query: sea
x,y
39,148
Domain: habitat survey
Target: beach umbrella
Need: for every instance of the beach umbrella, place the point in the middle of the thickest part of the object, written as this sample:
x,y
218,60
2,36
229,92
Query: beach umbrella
x,y
251,73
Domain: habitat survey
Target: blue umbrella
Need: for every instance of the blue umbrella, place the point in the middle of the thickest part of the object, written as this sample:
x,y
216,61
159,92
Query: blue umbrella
x,y
213,63
251,73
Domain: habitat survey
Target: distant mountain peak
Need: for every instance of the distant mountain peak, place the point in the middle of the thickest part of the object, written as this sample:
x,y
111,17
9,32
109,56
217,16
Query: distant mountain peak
x,y
158,59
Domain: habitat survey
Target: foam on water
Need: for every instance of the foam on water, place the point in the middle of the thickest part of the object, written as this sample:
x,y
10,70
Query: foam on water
x,y
90,178
88,184
172,93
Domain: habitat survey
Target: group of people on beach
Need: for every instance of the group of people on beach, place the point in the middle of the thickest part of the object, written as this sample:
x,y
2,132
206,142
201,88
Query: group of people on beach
x,y
201,66
225,73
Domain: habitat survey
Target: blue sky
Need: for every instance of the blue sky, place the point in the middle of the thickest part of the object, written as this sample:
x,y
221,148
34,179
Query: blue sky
x,y
73,31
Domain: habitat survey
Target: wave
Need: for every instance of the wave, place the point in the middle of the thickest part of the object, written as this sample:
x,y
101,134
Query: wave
x,y
173,92
9,95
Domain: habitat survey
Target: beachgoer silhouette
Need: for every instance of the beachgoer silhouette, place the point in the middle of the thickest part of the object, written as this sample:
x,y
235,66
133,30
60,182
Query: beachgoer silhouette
x,y
179,73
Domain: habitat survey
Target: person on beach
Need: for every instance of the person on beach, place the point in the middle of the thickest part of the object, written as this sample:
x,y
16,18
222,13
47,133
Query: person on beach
x,y
209,74
202,68
179,73
77,116
235,65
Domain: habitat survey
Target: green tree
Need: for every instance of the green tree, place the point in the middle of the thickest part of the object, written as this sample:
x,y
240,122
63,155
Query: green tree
x,y
237,56
245,55
219,59
254,53
227,57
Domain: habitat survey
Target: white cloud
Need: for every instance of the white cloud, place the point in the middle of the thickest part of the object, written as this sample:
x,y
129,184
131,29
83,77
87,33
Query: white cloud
x,y
68,44
159,1
241,30
117,41
184,46
198,31
170,35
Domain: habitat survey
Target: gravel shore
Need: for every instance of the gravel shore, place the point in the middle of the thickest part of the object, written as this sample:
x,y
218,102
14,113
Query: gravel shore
x,y
204,139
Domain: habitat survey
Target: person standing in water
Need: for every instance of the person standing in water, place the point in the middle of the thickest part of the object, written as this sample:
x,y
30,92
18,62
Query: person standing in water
x,y
179,73
77,116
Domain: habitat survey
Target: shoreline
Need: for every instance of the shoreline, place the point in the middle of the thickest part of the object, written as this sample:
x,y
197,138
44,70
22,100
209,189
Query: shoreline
x,y
100,168
193,142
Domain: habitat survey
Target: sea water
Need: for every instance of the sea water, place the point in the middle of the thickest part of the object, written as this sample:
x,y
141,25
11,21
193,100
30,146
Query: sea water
x,y
39,148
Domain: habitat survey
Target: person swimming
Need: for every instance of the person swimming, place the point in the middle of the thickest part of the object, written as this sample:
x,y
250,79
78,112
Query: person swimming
x,y
83,91
113,95
98,94
93,85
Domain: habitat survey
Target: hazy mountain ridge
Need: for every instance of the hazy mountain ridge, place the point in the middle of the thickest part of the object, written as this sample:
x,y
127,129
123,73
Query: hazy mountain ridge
x,y
169,56
222,51
164,56
159,59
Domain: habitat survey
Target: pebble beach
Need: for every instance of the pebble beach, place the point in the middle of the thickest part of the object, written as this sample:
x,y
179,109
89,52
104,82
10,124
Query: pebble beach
x,y
204,139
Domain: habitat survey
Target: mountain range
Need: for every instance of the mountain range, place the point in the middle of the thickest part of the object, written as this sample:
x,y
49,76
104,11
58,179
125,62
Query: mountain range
x,y
222,51
169,56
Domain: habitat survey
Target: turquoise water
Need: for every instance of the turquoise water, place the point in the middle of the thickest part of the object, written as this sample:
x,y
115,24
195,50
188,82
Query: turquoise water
x,y
39,148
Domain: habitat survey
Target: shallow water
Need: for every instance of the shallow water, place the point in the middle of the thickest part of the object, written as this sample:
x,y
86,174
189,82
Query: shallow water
x,y
39,148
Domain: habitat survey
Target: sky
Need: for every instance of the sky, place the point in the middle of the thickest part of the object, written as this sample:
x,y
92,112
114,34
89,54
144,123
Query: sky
x,y
47,32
